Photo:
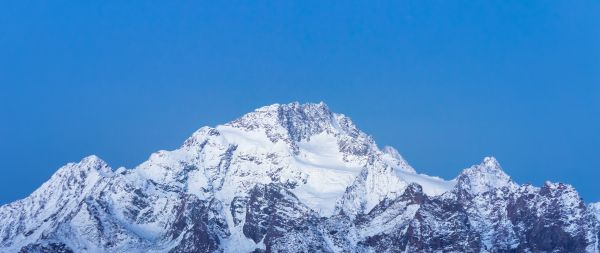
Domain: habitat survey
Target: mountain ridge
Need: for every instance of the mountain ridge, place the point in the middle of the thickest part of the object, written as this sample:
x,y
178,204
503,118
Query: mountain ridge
x,y
288,172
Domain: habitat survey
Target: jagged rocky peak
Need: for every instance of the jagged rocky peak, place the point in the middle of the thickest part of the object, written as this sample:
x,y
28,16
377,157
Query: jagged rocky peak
x,y
76,176
413,190
292,178
484,177
391,151
89,168
92,163
565,193
198,138
293,124
52,203
397,158
299,119
89,163
297,122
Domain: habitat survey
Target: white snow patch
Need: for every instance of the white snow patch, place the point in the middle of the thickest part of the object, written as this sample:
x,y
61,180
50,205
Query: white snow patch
x,y
328,174
254,142
432,186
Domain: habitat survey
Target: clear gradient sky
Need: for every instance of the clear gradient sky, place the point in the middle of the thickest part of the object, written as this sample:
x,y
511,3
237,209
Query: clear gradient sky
x,y
445,82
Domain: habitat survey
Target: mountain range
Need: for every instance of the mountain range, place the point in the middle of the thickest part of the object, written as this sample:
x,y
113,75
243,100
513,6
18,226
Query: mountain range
x,y
293,178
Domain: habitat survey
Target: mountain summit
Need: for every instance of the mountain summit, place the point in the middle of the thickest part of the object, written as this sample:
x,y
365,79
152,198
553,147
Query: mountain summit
x,y
292,178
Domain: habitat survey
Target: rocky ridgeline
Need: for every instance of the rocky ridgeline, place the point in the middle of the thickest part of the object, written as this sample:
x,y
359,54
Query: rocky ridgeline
x,y
292,178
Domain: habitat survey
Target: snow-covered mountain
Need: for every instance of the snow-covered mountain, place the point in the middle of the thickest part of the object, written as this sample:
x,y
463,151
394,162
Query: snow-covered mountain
x,y
292,178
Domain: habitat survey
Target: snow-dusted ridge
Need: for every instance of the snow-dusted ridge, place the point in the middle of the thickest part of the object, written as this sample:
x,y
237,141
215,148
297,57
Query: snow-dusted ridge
x,y
291,177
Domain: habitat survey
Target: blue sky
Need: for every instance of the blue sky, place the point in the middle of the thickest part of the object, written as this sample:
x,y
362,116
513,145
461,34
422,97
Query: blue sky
x,y
445,82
